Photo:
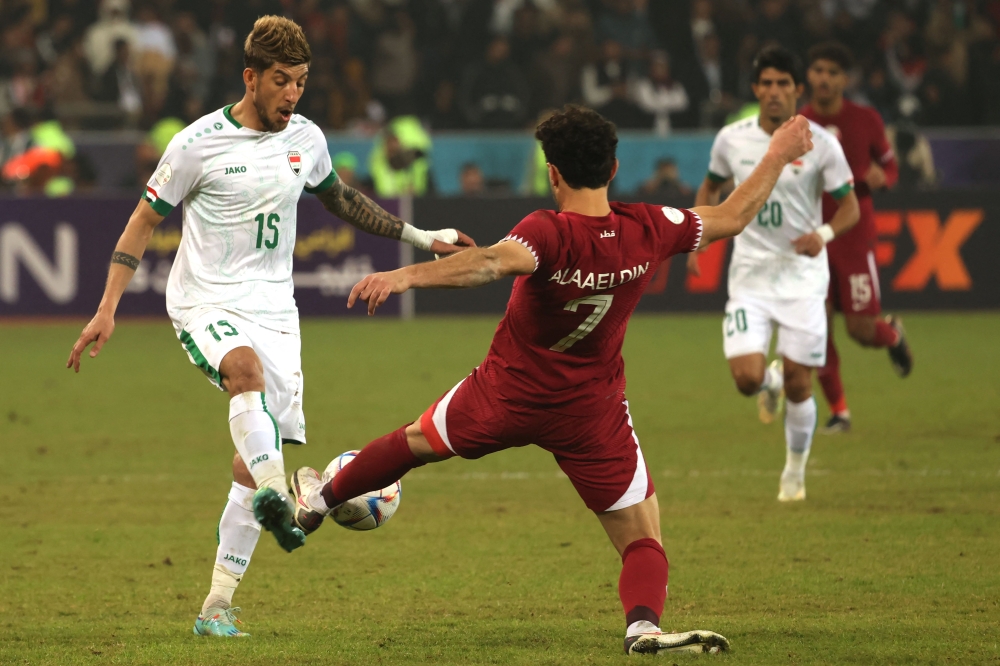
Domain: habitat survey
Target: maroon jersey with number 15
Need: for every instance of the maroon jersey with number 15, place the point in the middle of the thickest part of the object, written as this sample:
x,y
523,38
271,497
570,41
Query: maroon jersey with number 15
x,y
559,344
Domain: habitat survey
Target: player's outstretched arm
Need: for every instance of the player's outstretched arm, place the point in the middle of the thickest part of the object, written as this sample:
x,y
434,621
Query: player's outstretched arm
x,y
789,142
708,195
124,261
472,268
359,211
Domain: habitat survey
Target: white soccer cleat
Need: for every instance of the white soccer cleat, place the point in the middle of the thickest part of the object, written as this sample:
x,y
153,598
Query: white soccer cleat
x,y
792,488
656,642
770,402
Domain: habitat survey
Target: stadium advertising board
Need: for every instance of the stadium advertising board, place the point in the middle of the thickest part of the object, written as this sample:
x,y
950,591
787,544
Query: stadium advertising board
x,y
935,252
54,256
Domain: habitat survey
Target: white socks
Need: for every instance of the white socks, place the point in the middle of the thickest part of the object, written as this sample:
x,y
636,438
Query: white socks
x,y
238,534
641,627
255,434
800,423
773,381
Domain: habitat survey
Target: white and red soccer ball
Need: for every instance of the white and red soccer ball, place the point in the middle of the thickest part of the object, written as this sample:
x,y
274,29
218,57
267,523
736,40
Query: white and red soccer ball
x,y
367,511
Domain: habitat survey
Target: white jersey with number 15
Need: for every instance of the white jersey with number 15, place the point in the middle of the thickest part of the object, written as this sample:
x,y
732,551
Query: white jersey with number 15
x,y
764,264
240,189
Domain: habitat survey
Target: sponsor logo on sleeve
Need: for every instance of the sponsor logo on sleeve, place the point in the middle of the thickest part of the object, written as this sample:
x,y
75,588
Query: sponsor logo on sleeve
x,y
295,161
163,174
673,214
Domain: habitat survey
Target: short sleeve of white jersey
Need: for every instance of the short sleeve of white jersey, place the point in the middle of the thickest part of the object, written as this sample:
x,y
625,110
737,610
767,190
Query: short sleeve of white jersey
x,y
177,174
718,162
322,176
838,179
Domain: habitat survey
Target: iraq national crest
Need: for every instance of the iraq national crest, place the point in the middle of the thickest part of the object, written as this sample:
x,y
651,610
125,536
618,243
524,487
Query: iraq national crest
x,y
295,161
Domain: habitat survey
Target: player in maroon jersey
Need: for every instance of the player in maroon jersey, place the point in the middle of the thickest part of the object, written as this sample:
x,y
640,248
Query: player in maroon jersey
x,y
854,283
554,375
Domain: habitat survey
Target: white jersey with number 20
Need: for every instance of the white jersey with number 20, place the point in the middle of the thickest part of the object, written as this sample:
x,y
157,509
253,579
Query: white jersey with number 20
x,y
764,263
240,189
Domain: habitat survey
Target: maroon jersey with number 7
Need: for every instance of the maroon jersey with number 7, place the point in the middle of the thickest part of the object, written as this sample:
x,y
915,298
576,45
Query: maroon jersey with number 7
x,y
559,345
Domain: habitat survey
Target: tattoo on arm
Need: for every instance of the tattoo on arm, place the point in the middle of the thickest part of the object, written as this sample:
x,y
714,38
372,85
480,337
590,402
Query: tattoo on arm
x,y
125,260
359,211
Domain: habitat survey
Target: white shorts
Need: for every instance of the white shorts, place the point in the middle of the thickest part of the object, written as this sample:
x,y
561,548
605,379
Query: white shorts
x,y
749,323
212,334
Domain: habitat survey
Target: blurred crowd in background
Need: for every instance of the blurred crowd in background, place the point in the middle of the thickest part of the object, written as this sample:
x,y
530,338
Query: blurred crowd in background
x,y
656,65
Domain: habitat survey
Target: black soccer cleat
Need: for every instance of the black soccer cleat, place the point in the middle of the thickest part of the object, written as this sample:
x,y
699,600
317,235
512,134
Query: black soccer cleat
x,y
899,354
836,424
687,641
303,481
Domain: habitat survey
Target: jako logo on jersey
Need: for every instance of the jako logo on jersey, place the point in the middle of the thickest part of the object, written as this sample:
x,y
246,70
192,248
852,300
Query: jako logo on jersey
x,y
238,560
258,459
236,169
295,161
603,280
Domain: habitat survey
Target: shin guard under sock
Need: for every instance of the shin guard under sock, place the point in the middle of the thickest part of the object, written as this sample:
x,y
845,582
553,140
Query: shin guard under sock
x,y
642,585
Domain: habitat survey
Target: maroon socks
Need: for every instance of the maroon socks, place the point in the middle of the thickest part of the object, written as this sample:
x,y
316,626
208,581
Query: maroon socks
x,y
383,462
642,586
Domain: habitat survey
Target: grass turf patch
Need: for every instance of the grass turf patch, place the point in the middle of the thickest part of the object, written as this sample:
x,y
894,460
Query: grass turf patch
x,y
114,481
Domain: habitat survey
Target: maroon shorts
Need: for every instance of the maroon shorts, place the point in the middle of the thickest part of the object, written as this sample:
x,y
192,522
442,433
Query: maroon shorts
x,y
854,285
599,452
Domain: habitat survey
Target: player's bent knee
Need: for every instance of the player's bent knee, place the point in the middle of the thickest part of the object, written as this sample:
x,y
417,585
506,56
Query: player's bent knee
x,y
747,383
419,445
861,329
242,371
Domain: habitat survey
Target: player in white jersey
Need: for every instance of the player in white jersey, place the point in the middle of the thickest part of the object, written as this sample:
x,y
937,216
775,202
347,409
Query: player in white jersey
x,y
778,275
240,172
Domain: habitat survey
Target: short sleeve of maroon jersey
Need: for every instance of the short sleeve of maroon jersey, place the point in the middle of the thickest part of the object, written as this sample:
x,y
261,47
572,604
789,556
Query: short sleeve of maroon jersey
x,y
539,235
679,229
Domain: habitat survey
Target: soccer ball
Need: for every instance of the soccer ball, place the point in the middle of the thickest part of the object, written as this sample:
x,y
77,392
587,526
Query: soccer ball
x,y
368,511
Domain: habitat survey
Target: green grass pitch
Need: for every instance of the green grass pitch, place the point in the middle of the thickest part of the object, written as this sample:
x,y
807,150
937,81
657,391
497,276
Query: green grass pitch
x,y
113,482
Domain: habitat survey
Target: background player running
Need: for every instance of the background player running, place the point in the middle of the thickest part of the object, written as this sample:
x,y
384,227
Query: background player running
x,y
554,375
854,283
240,172
778,274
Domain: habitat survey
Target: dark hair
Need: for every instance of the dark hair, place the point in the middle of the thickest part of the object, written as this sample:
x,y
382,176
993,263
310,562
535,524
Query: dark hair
x,y
581,144
834,52
779,58
275,39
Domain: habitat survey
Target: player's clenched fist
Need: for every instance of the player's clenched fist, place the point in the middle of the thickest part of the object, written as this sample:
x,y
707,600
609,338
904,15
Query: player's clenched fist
x,y
376,288
793,139
97,331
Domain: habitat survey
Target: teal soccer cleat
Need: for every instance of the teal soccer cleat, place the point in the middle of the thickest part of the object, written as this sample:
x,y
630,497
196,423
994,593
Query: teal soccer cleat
x,y
219,622
274,512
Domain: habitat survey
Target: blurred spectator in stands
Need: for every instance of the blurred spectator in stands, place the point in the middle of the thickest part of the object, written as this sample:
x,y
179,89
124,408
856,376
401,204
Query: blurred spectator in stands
x,y
120,84
155,53
984,83
716,96
25,88
660,94
941,101
665,183
857,24
598,79
778,21
916,161
471,180
494,92
555,74
626,22
195,53
15,134
68,79
394,66
55,39
399,160
529,35
877,92
445,114
953,26
101,39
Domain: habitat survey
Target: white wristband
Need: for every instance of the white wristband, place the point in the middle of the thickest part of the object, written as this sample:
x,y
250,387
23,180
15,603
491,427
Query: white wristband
x,y
418,238
826,233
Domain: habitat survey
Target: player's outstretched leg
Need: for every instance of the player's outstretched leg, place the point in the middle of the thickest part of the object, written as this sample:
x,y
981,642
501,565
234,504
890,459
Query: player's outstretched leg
x,y
381,463
833,391
753,377
899,351
642,586
888,333
800,424
238,535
